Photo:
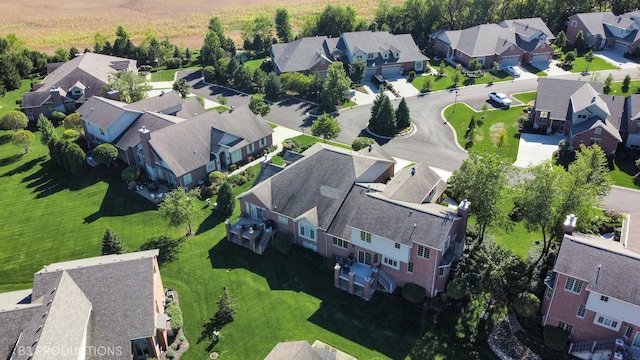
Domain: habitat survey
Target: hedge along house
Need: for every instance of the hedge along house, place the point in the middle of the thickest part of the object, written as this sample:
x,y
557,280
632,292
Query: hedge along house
x,y
186,152
383,53
341,204
509,43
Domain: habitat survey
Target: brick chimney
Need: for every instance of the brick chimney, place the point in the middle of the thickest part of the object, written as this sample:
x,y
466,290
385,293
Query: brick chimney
x,y
56,97
463,208
145,137
570,224
113,94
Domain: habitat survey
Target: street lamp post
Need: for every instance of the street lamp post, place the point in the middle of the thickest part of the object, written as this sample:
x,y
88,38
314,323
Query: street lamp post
x,y
455,101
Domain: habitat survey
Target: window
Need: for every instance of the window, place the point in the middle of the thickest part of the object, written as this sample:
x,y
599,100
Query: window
x,y
340,243
544,115
250,148
566,327
397,245
262,143
140,348
574,23
573,285
390,262
283,219
548,293
359,57
308,232
365,236
604,298
418,65
385,55
594,141
441,271
423,251
582,116
628,332
364,257
211,165
187,178
581,311
597,131
371,56
410,268
236,156
606,322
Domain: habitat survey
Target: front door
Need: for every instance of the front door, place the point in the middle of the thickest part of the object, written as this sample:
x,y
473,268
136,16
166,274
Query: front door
x,y
364,257
223,160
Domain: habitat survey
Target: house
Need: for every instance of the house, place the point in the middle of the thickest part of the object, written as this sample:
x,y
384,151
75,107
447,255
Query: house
x,y
342,204
606,30
382,52
185,152
511,42
67,86
593,292
103,307
580,110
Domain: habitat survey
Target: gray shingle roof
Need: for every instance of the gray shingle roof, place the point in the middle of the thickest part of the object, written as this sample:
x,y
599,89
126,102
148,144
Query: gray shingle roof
x,y
159,103
151,121
191,107
425,224
382,41
415,188
299,55
14,317
554,95
102,112
580,255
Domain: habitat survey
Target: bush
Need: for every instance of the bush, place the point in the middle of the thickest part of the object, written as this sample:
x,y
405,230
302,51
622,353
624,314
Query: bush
x,y
170,354
555,338
56,117
13,120
457,289
173,63
412,76
290,144
526,305
217,177
175,313
283,243
413,293
361,143
208,191
70,134
131,173
233,167
474,65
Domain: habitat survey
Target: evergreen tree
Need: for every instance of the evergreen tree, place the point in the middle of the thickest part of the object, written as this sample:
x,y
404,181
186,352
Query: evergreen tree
x,y
283,25
112,243
226,200
48,131
227,308
402,115
383,121
272,86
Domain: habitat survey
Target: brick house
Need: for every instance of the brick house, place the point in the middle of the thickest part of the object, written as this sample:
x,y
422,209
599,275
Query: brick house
x,y
383,53
68,85
580,110
104,307
341,204
606,30
511,42
593,293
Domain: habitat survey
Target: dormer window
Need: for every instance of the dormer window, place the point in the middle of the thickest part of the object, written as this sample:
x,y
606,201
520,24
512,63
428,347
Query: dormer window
x,y
371,56
385,55
397,54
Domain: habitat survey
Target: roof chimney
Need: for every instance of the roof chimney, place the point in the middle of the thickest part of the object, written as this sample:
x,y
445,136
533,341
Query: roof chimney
x,y
598,274
570,224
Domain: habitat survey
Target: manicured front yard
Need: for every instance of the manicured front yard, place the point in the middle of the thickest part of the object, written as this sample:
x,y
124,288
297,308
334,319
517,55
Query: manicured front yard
x,y
525,97
446,82
580,65
8,101
306,141
169,75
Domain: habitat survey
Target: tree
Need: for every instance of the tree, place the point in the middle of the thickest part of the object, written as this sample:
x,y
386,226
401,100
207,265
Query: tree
x,y
588,58
226,200
428,84
131,173
60,55
73,121
73,52
105,154
457,289
212,51
403,117
579,42
258,35
23,139
209,74
112,243
526,305
357,71
481,181
182,87
258,106
272,86
131,86
607,84
13,120
570,57
242,79
283,25
57,117
361,143
501,139
227,308
335,20
383,117
626,82
259,79
47,130
457,77
297,82
326,127
442,68
335,87
179,207
75,158
561,39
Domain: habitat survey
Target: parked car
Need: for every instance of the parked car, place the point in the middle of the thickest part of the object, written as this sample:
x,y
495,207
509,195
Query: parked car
x,y
378,80
500,98
516,71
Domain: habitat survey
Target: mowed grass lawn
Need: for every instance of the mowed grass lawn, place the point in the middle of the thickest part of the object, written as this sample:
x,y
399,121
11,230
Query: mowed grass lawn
x,y
525,97
580,65
446,82
169,74
8,102
487,129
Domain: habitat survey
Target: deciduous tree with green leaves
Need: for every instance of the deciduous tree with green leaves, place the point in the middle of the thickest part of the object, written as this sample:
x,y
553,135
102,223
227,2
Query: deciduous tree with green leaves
x,y
258,106
73,121
131,86
326,127
13,120
272,86
179,207
23,139
181,86
335,87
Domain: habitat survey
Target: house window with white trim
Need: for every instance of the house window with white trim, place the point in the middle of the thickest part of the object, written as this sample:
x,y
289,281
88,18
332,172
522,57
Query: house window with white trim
x,y
581,311
597,131
606,322
441,271
410,268
340,243
548,293
365,236
262,142
604,298
371,56
364,257
187,178
423,251
582,116
573,285
544,115
566,327
283,219
574,23
307,232
390,262
236,156
250,148
628,332
397,245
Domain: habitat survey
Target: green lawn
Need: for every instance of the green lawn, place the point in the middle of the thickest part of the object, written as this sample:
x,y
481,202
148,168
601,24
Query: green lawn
x,y
442,83
486,129
169,75
616,88
514,236
525,97
254,64
622,172
534,70
305,141
8,101
579,65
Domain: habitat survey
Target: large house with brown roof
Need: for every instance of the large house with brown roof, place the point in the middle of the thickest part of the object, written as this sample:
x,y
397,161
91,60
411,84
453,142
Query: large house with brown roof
x,y
606,30
586,115
103,307
340,203
382,52
68,85
593,292
511,42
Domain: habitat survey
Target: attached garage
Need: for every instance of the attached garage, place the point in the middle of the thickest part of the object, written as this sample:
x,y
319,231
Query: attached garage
x,y
622,47
510,61
392,70
370,72
541,58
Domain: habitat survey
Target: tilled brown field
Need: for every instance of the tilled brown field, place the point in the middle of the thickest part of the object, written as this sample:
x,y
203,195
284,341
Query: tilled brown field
x,y
46,25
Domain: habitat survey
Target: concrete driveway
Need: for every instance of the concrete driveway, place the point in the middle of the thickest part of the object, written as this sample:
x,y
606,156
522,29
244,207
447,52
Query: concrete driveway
x,y
404,88
616,58
535,149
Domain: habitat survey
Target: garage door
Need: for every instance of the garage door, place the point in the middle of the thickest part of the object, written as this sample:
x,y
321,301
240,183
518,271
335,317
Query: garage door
x,y
621,47
510,61
541,58
370,72
391,70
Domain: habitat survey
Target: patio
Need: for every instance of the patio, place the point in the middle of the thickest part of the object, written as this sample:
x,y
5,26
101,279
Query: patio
x,y
154,191
251,233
